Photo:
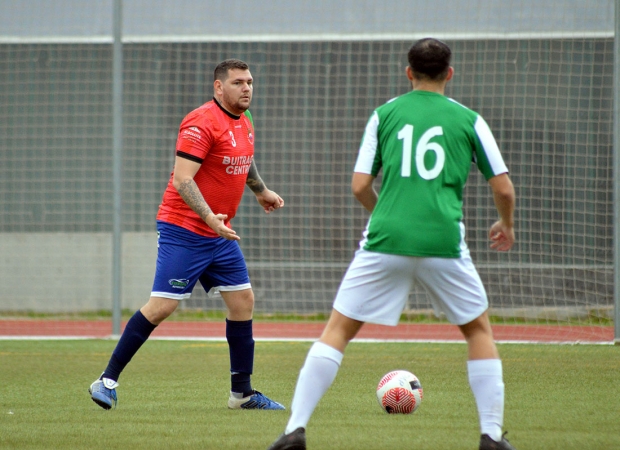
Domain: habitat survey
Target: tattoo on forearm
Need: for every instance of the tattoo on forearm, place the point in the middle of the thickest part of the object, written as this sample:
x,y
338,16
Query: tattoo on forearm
x,y
254,180
194,199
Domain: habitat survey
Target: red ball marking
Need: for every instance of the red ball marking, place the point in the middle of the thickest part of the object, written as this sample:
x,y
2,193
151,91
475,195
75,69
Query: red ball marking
x,y
398,401
386,378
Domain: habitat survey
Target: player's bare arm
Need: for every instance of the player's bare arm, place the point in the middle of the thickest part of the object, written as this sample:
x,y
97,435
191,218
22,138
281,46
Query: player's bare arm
x,y
254,181
502,232
269,200
363,190
183,181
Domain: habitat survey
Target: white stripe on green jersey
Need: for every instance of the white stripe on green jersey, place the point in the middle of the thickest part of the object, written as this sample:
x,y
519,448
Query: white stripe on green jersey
x,y
425,144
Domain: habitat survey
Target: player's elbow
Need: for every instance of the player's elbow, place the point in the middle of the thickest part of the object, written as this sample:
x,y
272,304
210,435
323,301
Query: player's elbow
x,y
357,190
503,188
178,181
505,195
361,184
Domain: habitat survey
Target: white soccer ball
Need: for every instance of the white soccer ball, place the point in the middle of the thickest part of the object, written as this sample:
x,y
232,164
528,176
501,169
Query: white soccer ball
x,y
399,392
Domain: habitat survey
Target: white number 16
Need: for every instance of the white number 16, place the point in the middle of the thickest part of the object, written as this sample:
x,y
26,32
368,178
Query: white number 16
x,y
406,134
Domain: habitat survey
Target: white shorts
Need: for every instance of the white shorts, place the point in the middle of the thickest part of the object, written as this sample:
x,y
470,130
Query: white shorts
x,y
376,287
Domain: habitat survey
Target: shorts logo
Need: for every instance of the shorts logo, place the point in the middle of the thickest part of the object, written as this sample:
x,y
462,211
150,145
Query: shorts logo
x,y
178,284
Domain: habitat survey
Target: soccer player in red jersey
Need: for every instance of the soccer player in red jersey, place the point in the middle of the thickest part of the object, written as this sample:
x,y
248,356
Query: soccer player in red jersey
x,y
214,162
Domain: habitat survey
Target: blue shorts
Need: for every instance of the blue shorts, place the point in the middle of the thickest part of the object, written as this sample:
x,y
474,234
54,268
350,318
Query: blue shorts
x,y
184,257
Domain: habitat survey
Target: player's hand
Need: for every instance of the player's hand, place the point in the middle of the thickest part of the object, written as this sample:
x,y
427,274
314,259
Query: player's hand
x,y
270,201
217,224
502,237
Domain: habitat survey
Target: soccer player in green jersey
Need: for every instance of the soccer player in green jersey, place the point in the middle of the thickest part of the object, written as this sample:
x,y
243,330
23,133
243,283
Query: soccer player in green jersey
x,y
424,143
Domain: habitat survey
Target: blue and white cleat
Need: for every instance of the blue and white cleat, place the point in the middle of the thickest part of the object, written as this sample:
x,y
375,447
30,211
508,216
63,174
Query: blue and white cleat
x,y
103,392
254,401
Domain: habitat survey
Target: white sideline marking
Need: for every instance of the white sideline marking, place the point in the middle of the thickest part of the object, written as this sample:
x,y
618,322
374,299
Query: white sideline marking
x,y
369,341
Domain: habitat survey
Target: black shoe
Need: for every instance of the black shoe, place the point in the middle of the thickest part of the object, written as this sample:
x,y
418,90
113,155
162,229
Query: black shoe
x,y
292,441
486,443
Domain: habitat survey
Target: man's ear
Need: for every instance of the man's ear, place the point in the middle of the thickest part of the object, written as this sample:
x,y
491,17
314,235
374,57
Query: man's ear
x,y
450,73
409,73
217,86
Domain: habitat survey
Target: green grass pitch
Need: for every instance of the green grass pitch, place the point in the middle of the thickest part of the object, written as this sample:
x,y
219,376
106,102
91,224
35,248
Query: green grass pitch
x,y
173,396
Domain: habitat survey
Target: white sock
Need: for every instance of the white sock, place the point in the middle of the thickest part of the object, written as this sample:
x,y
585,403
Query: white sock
x,y
316,376
485,380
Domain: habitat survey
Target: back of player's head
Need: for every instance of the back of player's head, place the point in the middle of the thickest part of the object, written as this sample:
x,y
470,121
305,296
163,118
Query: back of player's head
x,y
221,71
429,58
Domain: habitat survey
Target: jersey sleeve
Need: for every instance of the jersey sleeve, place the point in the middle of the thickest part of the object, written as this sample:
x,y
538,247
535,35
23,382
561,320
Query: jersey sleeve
x,y
194,141
368,158
487,155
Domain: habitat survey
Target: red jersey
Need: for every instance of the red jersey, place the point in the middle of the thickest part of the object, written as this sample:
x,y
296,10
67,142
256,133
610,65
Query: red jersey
x,y
223,144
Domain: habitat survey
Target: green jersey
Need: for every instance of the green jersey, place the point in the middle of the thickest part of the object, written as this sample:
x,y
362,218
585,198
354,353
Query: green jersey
x,y
425,144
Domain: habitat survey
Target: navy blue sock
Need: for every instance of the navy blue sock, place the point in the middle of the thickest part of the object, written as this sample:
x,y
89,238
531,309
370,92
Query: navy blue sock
x,y
241,348
136,332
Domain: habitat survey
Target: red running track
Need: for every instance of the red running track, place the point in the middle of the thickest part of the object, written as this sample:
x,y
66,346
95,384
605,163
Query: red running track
x,y
23,328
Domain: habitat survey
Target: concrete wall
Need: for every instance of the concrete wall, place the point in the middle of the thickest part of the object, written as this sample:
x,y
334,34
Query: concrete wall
x,y
63,272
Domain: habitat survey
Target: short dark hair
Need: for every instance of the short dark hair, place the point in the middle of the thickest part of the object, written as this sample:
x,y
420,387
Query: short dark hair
x,y
221,70
429,58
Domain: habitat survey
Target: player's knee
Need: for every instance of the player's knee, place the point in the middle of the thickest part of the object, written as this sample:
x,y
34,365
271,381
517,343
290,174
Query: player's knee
x,y
158,309
240,304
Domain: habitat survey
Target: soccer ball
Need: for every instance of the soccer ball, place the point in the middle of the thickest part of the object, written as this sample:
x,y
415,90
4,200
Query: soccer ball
x,y
399,392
